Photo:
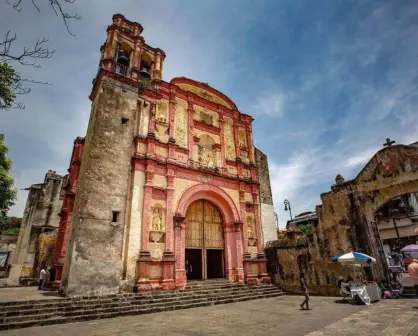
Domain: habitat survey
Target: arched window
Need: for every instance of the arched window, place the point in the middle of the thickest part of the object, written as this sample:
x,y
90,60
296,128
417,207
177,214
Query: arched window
x,y
123,59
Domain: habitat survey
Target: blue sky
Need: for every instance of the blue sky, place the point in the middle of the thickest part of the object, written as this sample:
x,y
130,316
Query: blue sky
x,y
326,80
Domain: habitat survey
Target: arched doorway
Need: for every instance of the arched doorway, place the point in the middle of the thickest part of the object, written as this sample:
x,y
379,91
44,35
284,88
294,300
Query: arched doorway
x,y
204,241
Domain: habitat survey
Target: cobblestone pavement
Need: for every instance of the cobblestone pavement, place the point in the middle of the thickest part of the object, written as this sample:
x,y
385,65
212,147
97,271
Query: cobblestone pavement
x,y
386,318
273,316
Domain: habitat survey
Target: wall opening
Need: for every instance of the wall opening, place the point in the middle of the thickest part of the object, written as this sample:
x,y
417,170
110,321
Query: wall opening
x,y
115,216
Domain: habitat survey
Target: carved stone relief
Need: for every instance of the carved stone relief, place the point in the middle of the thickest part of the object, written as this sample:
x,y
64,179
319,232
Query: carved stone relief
x,y
229,140
244,156
157,253
206,116
204,94
181,123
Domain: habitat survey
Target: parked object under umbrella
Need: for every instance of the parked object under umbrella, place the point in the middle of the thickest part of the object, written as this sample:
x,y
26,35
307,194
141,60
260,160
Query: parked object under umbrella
x,y
356,259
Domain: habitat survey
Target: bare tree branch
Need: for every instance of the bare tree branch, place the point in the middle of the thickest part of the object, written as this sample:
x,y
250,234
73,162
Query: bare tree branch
x,y
28,56
57,6
11,82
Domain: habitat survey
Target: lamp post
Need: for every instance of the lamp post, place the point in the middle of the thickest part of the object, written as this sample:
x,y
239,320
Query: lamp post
x,y
276,218
288,207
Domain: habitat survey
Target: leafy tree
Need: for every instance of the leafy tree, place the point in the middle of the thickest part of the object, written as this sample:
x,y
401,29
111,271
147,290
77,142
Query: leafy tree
x,y
13,83
307,229
7,192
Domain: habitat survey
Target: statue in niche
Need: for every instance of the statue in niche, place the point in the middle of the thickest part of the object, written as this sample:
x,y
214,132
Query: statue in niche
x,y
161,115
242,139
250,231
250,227
206,156
157,218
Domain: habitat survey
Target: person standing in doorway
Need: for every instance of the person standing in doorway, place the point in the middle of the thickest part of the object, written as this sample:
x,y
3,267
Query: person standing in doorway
x,y
413,273
305,292
42,275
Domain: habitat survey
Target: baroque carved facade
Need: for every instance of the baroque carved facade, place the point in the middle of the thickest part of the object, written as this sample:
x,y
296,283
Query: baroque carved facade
x,y
168,180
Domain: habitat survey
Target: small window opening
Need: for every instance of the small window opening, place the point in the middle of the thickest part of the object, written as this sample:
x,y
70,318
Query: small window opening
x,y
115,216
125,121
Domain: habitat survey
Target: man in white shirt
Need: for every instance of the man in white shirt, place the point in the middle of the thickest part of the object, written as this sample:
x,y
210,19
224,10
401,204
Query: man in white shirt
x,y
42,276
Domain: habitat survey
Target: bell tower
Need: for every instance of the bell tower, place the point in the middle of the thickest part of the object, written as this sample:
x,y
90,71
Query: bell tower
x,y
129,71
126,53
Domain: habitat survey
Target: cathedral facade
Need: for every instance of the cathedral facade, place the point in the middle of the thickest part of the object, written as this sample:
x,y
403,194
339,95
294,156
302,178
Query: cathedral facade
x,y
166,186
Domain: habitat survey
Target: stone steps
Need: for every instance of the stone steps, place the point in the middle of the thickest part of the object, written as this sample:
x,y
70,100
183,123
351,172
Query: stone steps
x,y
45,312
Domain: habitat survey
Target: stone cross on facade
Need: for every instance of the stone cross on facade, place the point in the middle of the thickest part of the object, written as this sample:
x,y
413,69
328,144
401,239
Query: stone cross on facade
x,y
388,142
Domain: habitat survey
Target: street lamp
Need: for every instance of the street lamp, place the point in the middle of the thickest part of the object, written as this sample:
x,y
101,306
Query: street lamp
x,y
288,207
276,219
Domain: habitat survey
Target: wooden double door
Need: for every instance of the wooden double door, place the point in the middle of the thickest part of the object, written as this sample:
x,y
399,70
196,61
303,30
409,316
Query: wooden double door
x,y
205,241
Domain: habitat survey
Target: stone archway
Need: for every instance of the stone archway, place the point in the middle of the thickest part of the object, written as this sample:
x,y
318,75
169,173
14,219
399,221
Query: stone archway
x,y
204,241
347,214
231,226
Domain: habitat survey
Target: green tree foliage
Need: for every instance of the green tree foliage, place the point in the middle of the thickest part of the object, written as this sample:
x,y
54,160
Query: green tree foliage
x,y
7,192
307,229
8,82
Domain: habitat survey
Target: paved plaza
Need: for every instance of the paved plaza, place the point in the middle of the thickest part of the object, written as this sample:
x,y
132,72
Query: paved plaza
x,y
274,316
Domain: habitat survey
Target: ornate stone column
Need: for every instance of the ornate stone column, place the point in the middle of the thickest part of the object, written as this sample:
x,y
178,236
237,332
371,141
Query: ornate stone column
x,y
172,129
180,237
236,140
190,112
223,148
244,220
239,276
146,210
169,234
230,253
151,124
250,145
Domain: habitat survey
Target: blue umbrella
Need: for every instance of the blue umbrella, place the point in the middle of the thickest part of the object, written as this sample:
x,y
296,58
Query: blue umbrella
x,y
335,259
356,258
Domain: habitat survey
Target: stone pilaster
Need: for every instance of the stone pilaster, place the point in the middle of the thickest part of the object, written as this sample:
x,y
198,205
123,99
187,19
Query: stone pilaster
x,y
169,234
191,142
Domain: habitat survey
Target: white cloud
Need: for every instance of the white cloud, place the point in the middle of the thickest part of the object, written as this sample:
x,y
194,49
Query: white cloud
x,y
273,105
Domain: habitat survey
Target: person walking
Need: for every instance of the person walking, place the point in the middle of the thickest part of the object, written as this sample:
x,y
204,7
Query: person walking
x,y
413,273
305,292
42,275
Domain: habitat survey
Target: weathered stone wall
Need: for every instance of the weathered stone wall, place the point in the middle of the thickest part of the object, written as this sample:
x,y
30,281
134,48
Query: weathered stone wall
x,y
266,198
347,221
41,214
293,262
134,230
94,254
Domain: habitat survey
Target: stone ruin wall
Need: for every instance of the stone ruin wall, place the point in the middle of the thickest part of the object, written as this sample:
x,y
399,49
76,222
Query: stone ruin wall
x,y
41,214
346,222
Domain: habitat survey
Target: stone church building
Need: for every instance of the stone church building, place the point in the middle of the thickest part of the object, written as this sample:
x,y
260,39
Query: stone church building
x,y
166,186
